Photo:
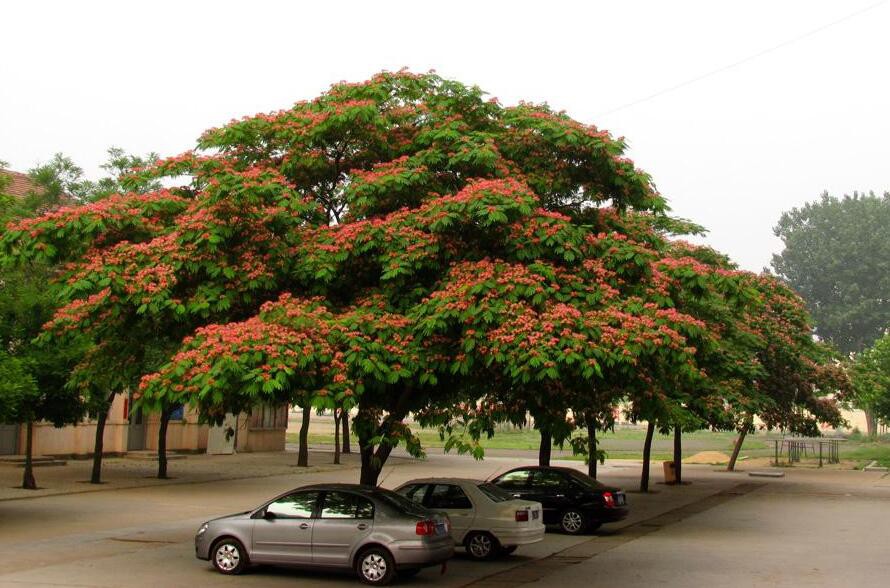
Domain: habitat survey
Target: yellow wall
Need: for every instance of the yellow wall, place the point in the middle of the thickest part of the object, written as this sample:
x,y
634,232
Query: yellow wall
x,y
184,435
80,439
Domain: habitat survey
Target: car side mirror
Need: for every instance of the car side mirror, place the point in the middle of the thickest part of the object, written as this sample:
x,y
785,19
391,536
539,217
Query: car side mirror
x,y
269,515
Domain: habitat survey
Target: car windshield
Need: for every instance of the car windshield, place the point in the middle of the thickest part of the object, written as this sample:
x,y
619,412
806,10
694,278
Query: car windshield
x,y
401,503
495,493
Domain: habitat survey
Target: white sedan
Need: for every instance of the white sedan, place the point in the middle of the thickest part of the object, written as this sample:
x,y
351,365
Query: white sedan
x,y
486,520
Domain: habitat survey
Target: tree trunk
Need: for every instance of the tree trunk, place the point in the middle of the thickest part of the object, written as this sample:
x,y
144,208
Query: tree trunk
x,y
337,417
368,427
344,421
370,467
162,442
871,424
545,449
678,454
647,453
303,457
28,482
96,475
591,447
730,467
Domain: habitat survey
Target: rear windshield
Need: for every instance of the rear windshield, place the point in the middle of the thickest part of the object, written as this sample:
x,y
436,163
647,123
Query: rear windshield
x,y
586,480
400,503
495,493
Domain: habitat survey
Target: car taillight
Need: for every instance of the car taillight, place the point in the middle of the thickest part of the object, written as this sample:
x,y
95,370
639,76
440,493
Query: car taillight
x,y
425,528
609,499
521,516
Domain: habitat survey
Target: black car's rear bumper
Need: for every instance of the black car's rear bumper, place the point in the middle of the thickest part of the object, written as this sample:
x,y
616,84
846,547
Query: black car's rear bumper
x,y
609,515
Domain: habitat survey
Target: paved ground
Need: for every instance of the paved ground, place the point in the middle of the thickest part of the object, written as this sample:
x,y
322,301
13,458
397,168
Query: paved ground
x,y
810,528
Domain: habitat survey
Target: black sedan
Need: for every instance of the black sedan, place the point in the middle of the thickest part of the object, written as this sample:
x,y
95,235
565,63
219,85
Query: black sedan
x,y
574,501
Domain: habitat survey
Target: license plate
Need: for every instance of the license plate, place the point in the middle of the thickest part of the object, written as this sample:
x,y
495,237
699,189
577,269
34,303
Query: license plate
x,y
441,529
535,514
620,500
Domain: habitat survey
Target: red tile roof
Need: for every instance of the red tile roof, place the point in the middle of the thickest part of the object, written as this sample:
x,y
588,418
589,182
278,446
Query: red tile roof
x,y
20,185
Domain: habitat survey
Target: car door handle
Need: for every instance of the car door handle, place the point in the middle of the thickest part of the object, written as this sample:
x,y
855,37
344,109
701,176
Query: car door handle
x,y
304,525
362,526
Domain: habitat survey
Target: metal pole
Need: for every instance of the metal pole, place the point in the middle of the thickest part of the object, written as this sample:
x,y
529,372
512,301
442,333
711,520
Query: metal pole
x,y
820,454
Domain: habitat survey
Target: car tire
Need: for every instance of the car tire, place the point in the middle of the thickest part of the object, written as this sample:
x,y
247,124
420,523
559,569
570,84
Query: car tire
x,y
508,550
481,545
375,566
228,556
572,522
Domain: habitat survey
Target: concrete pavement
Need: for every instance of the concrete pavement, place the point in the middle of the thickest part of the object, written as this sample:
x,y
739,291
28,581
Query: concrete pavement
x,y
774,532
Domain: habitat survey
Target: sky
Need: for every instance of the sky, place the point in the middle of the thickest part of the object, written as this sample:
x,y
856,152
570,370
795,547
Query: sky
x,y
739,110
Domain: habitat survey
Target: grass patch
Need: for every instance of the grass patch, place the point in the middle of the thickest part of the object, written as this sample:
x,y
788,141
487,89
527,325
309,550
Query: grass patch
x,y
628,444
868,451
620,444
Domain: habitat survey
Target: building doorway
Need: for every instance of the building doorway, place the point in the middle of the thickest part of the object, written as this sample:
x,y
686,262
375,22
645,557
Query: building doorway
x,y
136,428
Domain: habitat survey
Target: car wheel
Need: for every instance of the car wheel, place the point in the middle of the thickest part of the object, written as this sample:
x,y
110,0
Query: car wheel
x,y
375,566
510,549
481,545
229,556
572,522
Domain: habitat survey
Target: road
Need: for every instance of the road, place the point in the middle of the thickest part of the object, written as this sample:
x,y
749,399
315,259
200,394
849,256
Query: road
x,y
810,528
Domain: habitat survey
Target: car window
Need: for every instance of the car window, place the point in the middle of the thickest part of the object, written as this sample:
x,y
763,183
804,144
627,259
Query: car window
x,y
549,480
299,505
400,503
344,505
413,492
495,493
447,496
516,479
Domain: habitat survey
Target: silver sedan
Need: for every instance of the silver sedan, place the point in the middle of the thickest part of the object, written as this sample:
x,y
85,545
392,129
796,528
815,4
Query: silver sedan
x,y
375,532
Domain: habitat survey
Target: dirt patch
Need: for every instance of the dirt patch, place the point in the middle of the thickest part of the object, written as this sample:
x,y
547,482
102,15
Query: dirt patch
x,y
708,458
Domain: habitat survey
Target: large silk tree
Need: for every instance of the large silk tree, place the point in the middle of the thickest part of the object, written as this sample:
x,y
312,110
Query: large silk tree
x,y
399,245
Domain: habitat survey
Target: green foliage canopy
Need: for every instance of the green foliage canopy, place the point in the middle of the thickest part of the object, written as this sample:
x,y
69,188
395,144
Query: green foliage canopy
x,y
837,256
406,245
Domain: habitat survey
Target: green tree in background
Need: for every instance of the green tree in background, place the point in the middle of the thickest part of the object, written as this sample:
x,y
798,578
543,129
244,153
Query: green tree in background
x,y
871,379
837,256
32,377
61,181
27,304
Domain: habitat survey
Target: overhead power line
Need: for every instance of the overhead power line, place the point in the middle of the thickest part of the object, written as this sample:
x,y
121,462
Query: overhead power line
x,y
744,60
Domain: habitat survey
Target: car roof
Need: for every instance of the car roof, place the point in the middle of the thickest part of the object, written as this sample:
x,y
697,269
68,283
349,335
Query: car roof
x,y
556,468
443,481
360,488
563,469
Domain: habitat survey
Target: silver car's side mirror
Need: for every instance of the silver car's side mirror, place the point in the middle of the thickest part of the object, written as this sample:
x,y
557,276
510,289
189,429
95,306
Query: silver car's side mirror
x,y
269,515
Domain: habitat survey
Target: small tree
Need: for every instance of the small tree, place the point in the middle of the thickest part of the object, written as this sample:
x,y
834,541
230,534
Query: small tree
x,y
36,389
18,393
870,372
34,376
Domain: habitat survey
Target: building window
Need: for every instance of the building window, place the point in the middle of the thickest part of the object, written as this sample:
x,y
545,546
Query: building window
x,y
178,413
268,416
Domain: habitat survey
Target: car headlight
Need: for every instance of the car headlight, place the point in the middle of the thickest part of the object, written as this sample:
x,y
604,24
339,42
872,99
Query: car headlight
x,y
203,529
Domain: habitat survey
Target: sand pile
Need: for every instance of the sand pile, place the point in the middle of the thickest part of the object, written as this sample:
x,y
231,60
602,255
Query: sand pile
x,y
708,457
